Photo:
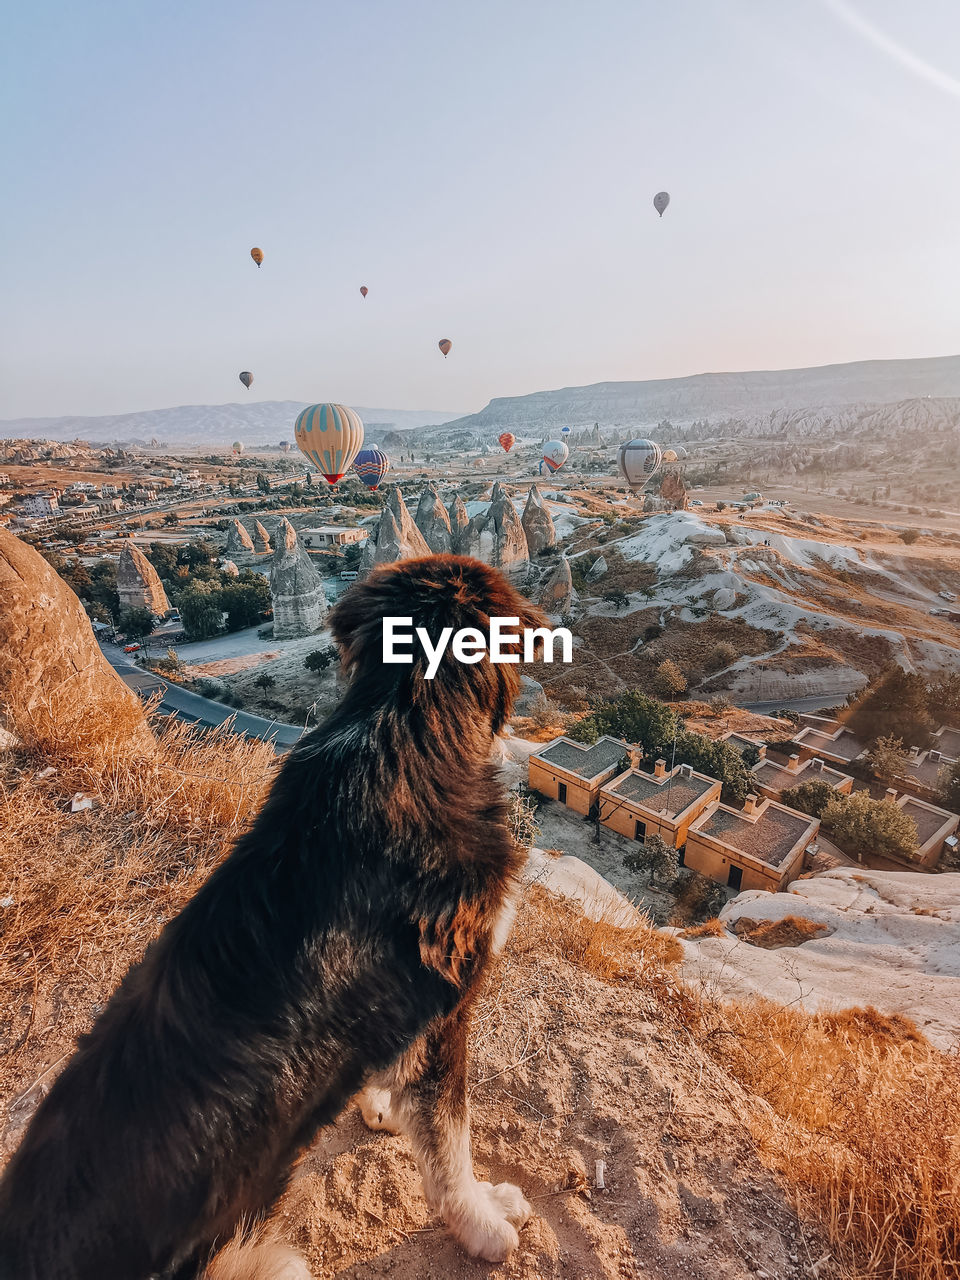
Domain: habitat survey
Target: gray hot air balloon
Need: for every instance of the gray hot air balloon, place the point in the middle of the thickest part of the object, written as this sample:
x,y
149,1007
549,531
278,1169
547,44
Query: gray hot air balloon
x,y
246,378
639,461
660,201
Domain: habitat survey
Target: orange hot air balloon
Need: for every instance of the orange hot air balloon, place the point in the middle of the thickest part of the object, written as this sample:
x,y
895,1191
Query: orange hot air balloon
x,y
445,344
364,291
508,440
257,256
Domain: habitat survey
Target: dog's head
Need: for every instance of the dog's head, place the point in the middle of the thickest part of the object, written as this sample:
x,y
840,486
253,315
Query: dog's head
x,y
436,593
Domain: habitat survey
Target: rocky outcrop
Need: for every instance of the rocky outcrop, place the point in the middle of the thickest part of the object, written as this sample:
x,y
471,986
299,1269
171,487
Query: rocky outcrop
x,y
54,681
229,568
673,491
138,583
239,541
433,522
262,542
459,524
596,570
299,603
537,523
557,596
724,598
499,536
396,536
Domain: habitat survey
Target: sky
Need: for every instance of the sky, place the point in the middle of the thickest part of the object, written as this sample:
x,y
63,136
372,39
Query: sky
x,y
487,169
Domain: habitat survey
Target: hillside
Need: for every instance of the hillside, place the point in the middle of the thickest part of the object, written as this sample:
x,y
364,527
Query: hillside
x,y
259,421
764,402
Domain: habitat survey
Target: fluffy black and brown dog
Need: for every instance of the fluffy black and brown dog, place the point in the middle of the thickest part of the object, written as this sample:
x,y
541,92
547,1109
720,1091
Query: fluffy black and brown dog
x,y
338,948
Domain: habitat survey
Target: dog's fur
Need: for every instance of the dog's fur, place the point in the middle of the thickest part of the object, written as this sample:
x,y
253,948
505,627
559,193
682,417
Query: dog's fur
x,y
338,947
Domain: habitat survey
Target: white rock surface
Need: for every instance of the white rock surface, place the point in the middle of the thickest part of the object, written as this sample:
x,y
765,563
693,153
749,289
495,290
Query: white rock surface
x,y
571,878
894,943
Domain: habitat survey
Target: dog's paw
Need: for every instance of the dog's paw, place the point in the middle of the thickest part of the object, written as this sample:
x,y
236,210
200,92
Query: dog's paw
x,y
375,1107
486,1224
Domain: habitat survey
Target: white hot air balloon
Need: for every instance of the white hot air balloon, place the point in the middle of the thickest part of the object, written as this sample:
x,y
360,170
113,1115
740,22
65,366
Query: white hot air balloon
x,y
639,461
660,201
555,454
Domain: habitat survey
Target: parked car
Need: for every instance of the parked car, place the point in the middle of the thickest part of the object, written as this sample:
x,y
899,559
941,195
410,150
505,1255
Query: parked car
x,y
695,502
947,595
131,648
348,575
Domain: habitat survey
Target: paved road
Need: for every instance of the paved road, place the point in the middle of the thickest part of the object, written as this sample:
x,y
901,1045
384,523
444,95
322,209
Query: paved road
x,y
815,702
191,706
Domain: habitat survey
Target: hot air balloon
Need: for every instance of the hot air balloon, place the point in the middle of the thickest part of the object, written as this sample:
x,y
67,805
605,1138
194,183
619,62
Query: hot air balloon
x,y
371,465
246,378
364,291
660,201
257,256
670,455
555,454
508,440
639,460
681,452
284,446
237,446
564,431
330,435
445,344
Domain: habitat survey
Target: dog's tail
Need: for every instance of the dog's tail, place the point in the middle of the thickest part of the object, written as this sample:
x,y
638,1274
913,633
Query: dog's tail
x,y
258,1257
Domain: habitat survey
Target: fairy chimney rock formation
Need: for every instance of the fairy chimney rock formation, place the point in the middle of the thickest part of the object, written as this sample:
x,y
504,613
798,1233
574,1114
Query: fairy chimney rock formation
x,y
396,536
433,522
537,523
674,491
299,604
51,668
239,541
459,523
557,596
501,540
262,537
229,568
138,583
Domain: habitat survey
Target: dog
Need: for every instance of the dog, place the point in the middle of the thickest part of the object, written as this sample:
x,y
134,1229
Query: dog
x,y
338,948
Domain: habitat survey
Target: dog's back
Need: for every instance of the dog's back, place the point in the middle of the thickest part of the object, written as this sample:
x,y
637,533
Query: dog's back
x,y
355,912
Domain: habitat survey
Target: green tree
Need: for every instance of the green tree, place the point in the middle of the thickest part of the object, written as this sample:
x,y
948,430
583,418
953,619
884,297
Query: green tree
x,y
136,623
809,797
887,758
717,760
862,826
171,518
319,659
200,611
619,599
634,717
895,707
655,857
669,680
245,599
944,700
265,681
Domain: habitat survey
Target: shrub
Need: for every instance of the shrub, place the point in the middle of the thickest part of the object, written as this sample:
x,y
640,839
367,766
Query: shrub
x,y
319,659
909,536
658,858
669,680
721,655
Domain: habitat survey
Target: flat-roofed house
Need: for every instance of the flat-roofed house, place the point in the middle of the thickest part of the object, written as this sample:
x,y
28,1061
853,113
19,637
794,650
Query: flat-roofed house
x,y
758,847
935,827
771,779
573,773
332,535
834,742
922,772
638,804
741,743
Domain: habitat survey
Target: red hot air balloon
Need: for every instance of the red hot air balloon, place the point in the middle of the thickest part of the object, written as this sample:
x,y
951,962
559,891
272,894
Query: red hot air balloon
x,y
257,256
508,440
445,344
364,291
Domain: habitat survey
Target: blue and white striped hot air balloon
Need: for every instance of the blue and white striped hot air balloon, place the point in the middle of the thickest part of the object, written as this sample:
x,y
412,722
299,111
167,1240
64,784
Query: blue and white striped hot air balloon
x,y
330,436
371,465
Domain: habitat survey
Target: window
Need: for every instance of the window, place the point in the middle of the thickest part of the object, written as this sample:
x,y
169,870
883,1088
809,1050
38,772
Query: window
x,y
562,792
640,831
681,855
735,877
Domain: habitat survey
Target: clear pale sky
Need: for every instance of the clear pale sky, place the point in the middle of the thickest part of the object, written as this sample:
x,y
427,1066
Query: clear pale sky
x,y
487,169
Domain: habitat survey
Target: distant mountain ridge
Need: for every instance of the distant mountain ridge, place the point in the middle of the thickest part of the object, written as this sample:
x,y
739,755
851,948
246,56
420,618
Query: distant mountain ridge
x,y
261,421
829,392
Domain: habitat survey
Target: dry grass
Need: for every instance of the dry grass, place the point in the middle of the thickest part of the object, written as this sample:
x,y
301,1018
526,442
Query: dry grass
x,y
709,929
862,1115
790,931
